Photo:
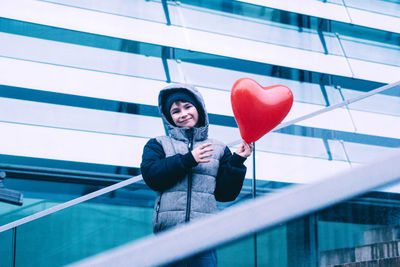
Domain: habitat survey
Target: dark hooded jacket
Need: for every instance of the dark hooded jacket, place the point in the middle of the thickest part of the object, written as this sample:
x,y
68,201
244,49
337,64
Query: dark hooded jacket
x,y
185,189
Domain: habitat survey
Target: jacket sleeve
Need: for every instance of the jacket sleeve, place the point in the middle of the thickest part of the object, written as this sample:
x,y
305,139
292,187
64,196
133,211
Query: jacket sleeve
x,y
230,177
160,172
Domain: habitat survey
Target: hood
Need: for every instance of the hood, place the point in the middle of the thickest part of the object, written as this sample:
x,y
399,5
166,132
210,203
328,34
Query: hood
x,y
199,133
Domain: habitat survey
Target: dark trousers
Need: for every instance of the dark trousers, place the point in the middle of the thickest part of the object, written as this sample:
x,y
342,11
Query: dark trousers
x,y
206,259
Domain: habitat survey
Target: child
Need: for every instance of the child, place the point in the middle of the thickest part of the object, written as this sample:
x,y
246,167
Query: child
x,y
189,171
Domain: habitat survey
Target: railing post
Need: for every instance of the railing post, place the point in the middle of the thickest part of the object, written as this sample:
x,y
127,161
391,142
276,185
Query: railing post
x,y
14,246
254,188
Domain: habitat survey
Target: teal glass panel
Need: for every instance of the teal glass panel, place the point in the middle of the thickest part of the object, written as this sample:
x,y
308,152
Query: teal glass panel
x,y
363,229
239,253
381,38
273,240
37,196
338,235
85,229
247,10
7,248
10,213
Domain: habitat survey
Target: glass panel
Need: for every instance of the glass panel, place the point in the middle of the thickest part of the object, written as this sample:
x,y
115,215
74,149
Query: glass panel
x,y
27,29
387,7
273,240
7,248
223,78
38,196
379,116
82,57
251,28
87,228
358,48
73,118
387,103
363,229
240,253
10,213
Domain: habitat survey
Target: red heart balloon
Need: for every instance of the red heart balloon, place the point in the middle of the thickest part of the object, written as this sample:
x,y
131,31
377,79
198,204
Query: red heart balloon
x,y
258,109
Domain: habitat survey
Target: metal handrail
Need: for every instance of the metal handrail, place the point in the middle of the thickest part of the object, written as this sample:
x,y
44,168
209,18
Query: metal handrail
x,y
70,203
250,217
133,179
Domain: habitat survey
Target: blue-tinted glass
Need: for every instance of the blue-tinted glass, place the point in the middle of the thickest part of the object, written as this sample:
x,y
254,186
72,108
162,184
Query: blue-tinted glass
x,y
243,27
75,37
6,248
38,195
82,57
359,48
240,253
387,7
86,229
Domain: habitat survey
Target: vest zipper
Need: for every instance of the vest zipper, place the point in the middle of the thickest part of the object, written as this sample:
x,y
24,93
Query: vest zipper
x,y
189,188
158,208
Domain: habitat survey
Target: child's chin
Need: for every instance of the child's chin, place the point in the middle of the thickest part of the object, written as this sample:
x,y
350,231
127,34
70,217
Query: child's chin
x,y
189,125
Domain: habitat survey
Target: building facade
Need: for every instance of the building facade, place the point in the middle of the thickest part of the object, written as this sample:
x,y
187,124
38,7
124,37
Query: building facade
x,y
78,89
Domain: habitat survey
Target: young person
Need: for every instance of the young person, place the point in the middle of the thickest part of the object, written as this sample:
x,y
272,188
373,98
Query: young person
x,y
188,170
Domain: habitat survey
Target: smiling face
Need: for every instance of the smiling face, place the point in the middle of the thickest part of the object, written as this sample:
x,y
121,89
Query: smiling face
x,y
184,114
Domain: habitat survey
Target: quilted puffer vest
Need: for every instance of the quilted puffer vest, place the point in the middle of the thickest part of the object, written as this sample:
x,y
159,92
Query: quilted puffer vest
x,y
193,196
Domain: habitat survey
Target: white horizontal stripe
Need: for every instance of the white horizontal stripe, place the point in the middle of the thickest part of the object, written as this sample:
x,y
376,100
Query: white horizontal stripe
x,y
381,73
376,124
293,169
337,119
93,22
60,144
80,56
333,12
156,33
75,118
375,20
81,82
